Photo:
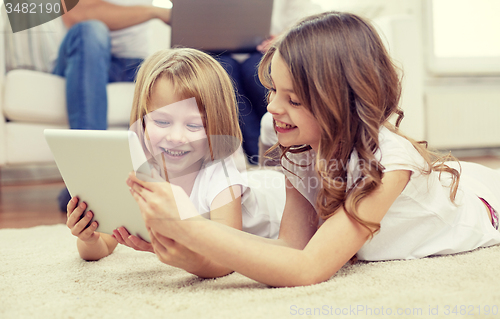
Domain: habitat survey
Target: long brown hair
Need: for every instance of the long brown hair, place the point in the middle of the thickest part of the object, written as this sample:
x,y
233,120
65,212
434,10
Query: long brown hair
x,y
193,74
343,75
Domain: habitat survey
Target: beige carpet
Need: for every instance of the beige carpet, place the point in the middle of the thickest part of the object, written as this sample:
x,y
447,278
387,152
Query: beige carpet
x,y
42,276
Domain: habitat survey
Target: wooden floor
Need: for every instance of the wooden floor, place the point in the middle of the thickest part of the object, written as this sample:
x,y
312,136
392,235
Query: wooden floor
x,y
27,203
30,205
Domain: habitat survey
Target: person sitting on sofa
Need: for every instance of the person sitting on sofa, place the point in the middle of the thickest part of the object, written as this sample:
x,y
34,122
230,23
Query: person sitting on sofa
x,y
105,43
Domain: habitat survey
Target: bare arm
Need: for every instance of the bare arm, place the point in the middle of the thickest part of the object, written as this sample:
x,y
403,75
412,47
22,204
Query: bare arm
x,y
296,228
337,240
116,17
225,210
103,247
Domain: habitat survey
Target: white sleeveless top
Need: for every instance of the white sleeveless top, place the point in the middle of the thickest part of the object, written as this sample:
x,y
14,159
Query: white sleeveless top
x,y
422,221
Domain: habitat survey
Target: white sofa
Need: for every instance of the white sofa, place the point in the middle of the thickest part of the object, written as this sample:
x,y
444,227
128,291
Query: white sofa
x,y
32,101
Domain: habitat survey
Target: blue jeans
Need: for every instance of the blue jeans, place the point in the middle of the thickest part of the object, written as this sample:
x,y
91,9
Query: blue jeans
x,y
251,98
86,62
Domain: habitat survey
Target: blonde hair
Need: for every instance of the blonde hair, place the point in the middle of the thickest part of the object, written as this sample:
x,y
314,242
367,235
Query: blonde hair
x,y
343,75
193,74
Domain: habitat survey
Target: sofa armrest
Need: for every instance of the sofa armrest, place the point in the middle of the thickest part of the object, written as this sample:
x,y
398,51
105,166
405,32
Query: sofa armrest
x,y
2,44
3,139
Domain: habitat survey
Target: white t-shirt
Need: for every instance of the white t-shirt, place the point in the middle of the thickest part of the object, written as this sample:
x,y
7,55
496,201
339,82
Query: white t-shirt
x,y
288,12
130,42
263,195
422,221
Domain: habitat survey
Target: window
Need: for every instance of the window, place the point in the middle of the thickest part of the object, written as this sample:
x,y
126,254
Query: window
x,y
463,37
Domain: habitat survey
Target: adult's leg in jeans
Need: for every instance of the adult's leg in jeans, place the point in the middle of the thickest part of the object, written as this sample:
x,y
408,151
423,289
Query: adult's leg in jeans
x,y
233,68
123,69
256,93
84,60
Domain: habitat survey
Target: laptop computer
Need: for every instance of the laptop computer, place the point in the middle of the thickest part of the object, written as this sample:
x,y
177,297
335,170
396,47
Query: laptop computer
x,y
217,26
94,166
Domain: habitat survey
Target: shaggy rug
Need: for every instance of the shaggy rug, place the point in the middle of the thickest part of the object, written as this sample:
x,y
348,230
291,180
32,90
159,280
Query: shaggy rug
x,y
42,276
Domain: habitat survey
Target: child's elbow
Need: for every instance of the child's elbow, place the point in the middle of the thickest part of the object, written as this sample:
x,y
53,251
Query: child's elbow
x,y
90,258
310,275
315,272
313,278
307,279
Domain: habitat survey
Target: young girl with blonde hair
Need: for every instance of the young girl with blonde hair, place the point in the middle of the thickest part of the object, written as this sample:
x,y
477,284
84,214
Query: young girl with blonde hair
x,y
184,112
355,185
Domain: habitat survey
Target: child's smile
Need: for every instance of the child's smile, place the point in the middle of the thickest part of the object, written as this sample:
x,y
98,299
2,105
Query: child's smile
x,y
175,132
283,127
174,154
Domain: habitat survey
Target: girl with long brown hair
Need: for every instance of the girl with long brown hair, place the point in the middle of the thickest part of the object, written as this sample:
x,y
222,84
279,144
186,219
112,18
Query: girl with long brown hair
x,y
355,185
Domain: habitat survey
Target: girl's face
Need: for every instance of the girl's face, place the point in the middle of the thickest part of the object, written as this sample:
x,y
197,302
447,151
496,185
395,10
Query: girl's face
x,y
174,129
293,123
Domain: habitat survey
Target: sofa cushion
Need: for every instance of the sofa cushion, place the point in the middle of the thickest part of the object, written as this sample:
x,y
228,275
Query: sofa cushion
x,y
38,97
25,143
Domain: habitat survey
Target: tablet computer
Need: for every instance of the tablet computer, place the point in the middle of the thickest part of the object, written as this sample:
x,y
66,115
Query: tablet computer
x,y
94,166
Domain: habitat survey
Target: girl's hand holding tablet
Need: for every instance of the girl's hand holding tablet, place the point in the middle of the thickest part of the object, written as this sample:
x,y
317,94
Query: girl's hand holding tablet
x,y
92,245
80,225
160,203
175,254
